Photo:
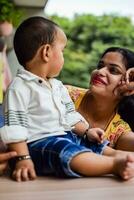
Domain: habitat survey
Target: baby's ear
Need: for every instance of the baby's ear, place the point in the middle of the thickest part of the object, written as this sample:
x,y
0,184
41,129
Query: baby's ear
x,y
46,50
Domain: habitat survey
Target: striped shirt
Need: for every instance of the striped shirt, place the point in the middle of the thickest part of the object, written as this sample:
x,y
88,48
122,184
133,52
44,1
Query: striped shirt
x,y
35,108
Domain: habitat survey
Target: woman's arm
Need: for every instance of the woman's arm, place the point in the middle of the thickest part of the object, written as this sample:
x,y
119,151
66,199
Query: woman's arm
x,y
126,142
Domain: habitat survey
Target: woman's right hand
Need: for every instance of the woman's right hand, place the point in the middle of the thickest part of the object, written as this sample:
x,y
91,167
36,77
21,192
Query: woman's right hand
x,y
130,75
4,157
126,86
24,171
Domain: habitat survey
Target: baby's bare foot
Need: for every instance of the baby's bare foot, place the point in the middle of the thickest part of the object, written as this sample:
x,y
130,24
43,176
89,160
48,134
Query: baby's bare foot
x,y
125,167
129,168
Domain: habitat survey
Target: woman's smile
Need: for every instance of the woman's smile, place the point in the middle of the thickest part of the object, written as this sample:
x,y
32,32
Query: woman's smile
x,y
97,79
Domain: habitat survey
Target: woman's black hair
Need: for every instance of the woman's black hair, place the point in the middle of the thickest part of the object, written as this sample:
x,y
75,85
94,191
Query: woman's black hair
x,y
126,105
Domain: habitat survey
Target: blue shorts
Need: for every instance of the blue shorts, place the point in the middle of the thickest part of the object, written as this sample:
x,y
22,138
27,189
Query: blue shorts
x,y
1,116
52,155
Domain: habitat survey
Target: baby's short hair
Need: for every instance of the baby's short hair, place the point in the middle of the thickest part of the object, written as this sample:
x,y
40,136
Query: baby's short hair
x,y
31,35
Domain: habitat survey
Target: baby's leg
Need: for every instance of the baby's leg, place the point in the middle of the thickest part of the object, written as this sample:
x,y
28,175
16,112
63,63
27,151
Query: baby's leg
x,y
124,162
108,151
91,164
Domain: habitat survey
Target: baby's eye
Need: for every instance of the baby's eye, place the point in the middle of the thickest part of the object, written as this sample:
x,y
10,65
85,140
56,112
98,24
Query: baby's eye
x,y
63,50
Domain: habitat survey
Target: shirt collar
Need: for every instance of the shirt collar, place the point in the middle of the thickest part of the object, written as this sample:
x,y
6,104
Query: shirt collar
x,y
26,75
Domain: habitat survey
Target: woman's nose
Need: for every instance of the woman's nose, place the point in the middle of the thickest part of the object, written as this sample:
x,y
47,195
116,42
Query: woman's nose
x,y
103,71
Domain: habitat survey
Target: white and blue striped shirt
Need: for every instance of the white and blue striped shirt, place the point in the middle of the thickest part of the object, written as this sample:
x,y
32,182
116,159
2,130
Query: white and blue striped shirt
x,y
35,108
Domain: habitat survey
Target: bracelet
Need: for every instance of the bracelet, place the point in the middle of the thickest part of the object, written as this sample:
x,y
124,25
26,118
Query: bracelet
x,y
23,157
85,134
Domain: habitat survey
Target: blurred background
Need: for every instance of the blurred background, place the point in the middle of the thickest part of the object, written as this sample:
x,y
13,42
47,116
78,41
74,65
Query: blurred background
x,y
90,26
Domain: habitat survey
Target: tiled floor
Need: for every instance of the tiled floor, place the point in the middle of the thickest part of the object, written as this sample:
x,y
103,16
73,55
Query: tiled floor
x,y
45,188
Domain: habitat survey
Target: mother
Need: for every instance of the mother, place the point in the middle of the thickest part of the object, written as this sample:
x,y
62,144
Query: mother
x,y
103,105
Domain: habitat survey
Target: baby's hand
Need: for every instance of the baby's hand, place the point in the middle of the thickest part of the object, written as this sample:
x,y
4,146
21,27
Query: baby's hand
x,y
95,135
24,171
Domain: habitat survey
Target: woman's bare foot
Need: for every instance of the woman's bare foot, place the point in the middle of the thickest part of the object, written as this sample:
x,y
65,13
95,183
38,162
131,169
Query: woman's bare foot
x,y
125,167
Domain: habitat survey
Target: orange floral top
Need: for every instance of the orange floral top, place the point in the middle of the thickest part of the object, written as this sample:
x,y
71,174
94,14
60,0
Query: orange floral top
x,y
116,127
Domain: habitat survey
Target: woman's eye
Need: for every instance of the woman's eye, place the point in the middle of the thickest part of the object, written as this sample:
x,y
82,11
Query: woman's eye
x,y
100,65
114,70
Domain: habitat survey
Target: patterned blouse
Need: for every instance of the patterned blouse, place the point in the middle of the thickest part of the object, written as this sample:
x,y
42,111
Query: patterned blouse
x,y
116,127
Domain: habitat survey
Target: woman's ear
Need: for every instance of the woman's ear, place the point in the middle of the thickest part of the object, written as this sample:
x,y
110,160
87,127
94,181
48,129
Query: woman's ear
x,y
46,51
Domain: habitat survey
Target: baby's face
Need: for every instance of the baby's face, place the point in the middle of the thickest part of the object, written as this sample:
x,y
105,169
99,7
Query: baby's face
x,y
57,58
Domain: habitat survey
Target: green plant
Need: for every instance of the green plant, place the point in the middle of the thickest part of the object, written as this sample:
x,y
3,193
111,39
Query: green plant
x,y
8,12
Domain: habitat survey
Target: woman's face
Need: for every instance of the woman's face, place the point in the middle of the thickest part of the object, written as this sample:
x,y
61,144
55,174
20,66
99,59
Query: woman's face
x,y
106,79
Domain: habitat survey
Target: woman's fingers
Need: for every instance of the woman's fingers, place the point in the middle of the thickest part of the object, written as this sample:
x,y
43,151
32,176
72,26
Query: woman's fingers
x,y
6,156
130,75
3,167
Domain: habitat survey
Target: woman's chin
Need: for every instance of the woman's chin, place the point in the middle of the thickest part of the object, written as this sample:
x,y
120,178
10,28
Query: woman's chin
x,y
97,88
99,91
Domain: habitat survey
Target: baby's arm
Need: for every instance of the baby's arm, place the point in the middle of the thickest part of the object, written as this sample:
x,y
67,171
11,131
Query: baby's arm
x,y
24,168
81,127
93,134
15,131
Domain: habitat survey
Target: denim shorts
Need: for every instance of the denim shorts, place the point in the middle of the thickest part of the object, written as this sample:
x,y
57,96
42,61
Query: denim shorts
x,y
52,155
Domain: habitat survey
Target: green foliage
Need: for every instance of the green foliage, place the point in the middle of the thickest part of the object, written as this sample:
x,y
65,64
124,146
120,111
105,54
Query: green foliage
x,y
73,72
8,12
88,36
